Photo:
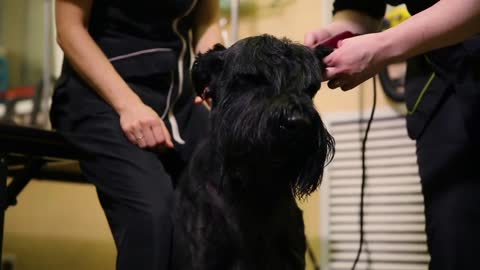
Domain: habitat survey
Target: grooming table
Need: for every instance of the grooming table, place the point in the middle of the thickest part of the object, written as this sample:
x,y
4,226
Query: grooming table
x,y
27,153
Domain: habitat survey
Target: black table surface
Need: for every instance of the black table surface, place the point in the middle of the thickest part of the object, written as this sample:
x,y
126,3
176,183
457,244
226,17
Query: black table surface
x,y
22,145
32,141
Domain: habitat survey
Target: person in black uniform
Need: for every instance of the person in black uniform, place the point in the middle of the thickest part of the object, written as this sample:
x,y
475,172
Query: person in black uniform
x,y
125,96
442,44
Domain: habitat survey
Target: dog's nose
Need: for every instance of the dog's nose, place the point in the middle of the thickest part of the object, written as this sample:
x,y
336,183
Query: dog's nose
x,y
297,123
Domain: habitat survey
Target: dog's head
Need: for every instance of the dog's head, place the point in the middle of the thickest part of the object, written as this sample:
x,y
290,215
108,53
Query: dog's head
x,y
263,116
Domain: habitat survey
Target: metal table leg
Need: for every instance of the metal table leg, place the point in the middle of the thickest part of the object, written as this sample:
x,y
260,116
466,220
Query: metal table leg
x,y
3,202
21,179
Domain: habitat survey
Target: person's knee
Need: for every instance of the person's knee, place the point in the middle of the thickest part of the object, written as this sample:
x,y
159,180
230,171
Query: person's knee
x,y
159,207
150,208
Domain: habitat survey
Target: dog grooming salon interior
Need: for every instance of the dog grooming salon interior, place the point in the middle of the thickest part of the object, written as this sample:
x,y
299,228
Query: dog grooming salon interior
x,y
58,223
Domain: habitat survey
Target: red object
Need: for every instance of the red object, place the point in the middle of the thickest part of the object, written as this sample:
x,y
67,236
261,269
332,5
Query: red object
x,y
19,92
333,41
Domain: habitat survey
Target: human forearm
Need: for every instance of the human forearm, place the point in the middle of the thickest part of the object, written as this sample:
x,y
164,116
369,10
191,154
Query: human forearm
x,y
85,56
93,66
353,21
140,123
359,58
343,20
206,29
444,24
210,36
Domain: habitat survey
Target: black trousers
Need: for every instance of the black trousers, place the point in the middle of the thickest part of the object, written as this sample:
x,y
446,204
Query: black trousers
x,y
135,186
449,166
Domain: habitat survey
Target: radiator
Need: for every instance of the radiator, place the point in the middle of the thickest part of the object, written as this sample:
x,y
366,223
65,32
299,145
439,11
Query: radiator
x,y
393,213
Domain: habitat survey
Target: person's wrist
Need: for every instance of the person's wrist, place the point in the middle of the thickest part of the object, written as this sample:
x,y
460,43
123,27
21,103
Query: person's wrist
x,y
127,103
388,49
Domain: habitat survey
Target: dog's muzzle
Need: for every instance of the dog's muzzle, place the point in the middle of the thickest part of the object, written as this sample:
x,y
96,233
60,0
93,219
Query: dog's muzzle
x,y
294,125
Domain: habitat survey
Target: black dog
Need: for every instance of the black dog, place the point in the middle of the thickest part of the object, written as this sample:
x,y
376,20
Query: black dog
x,y
236,209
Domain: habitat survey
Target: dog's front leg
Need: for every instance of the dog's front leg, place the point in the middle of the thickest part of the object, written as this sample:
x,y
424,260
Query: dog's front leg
x,y
203,238
294,248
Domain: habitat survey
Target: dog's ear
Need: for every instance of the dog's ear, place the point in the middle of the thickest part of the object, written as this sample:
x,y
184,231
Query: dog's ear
x,y
205,68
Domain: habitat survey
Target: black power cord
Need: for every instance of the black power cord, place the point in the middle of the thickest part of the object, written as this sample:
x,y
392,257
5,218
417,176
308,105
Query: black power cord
x,y
364,175
362,188
313,259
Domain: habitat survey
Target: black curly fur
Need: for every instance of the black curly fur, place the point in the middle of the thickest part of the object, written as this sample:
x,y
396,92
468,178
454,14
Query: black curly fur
x,y
236,209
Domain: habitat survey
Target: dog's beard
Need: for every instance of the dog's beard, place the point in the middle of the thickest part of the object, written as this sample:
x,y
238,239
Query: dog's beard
x,y
311,173
303,142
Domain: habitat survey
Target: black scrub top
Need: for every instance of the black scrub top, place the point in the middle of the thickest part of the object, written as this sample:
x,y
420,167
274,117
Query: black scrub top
x,y
142,37
148,43
453,69
376,8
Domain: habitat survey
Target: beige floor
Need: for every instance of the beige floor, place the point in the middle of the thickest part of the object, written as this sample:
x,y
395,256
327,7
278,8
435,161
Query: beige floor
x,y
59,254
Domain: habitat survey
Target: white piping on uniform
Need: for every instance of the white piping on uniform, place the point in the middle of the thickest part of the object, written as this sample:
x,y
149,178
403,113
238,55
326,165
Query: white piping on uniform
x,y
171,117
169,96
170,90
128,55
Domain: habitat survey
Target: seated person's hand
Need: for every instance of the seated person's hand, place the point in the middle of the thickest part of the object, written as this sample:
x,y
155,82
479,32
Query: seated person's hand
x,y
200,100
144,127
204,98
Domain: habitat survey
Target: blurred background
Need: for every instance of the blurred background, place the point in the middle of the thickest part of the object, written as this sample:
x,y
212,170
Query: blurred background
x,y
60,225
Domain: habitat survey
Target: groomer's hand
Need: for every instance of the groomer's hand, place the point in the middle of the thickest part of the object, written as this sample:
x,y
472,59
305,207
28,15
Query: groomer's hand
x,y
354,61
143,127
314,38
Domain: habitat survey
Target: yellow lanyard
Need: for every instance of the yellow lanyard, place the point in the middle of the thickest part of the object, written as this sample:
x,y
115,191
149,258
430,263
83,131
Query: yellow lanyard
x,y
425,87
